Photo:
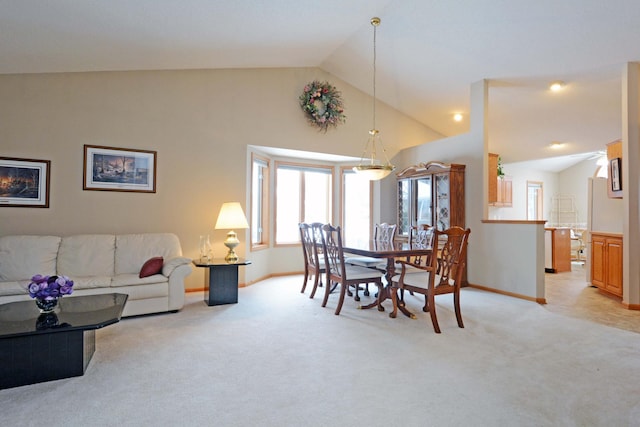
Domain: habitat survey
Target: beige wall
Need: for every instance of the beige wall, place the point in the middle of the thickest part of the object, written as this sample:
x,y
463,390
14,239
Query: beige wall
x,y
199,122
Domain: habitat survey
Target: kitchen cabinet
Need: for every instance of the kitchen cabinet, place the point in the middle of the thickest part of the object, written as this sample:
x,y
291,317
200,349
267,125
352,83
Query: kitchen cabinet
x,y
557,250
606,262
500,188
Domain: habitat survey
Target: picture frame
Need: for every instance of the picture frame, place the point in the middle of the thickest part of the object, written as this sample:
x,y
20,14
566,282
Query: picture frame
x,y
24,183
616,178
119,169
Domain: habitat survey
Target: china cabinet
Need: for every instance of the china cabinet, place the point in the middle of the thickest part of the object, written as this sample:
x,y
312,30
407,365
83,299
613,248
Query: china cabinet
x,y
430,193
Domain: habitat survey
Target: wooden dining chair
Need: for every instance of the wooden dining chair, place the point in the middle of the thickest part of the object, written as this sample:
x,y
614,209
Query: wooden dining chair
x,y
310,235
422,236
440,273
339,272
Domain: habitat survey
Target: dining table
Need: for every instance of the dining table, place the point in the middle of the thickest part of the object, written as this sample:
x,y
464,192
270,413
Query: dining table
x,y
390,251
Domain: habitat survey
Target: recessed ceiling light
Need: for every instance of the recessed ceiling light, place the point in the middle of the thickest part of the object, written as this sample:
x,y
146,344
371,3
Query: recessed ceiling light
x,y
457,117
556,145
557,86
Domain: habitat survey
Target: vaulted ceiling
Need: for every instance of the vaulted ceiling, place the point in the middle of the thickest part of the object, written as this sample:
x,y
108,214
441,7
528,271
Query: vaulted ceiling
x,y
429,52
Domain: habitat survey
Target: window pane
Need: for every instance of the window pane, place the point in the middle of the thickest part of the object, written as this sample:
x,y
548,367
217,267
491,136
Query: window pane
x,y
259,191
287,205
317,199
357,205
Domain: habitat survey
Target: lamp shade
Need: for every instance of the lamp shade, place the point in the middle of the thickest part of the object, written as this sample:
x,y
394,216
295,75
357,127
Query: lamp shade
x,y
231,216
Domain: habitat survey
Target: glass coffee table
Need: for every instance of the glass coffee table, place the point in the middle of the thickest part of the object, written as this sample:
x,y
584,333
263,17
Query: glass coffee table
x,y
37,347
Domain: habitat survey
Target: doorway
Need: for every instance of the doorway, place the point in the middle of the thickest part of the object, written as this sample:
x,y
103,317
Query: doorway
x,y
534,200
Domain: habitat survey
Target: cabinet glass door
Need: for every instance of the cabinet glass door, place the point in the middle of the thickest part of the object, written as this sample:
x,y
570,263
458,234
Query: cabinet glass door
x,y
442,201
424,202
404,207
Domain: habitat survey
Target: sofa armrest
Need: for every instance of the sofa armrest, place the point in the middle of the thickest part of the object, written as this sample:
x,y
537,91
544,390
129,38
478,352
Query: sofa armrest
x,y
173,263
176,286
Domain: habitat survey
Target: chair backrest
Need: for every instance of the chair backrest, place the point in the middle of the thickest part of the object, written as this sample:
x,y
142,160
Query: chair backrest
x,y
384,232
333,253
452,255
424,236
309,244
316,236
305,238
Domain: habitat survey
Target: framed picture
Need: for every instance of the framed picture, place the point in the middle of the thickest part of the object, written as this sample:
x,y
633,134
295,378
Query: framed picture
x,y
616,179
24,183
119,169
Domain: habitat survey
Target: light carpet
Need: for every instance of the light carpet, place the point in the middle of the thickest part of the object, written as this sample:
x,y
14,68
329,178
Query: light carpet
x,y
279,359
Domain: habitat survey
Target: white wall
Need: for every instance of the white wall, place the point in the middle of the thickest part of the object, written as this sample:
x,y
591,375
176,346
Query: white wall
x,y
200,122
520,175
575,181
505,257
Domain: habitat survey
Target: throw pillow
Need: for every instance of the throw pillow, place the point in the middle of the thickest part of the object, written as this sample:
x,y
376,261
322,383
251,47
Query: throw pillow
x,y
151,267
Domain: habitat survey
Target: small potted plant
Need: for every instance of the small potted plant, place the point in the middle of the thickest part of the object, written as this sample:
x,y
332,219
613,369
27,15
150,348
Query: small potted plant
x,y
500,170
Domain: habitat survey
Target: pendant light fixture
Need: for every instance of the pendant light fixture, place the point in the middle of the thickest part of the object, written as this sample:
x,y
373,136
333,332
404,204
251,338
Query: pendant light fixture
x,y
370,166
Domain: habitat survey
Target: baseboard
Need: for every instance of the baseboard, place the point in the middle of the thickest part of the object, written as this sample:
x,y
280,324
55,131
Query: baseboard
x,y
509,294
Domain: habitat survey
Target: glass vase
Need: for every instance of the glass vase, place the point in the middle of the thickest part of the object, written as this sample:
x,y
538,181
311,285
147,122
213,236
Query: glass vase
x,y
205,249
46,305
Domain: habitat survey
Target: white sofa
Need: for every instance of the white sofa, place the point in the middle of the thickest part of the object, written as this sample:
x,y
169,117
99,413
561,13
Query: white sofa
x,y
98,263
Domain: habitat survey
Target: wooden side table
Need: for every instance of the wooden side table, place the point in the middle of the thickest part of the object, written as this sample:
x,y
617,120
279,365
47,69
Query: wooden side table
x,y
221,281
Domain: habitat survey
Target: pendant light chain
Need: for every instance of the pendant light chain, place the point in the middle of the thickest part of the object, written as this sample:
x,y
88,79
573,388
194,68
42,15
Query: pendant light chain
x,y
375,28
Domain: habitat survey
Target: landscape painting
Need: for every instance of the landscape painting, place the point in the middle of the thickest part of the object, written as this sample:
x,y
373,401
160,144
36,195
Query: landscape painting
x,y
24,183
119,169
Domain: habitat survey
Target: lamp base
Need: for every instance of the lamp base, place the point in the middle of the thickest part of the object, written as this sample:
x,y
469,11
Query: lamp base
x,y
231,243
231,256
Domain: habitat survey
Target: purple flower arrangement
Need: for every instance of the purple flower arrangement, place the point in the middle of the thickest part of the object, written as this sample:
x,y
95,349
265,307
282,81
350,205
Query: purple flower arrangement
x,y
50,287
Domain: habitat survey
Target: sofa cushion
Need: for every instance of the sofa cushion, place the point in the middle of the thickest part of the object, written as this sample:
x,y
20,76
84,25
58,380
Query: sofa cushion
x,y
151,267
14,288
21,257
87,255
151,290
133,250
133,279
91,282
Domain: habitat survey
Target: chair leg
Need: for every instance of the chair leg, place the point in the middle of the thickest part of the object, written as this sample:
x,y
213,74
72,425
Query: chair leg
x,y
317,280
306,278
456,304
327,291
380,290
343,290
357,297
366,290
432,312
394,299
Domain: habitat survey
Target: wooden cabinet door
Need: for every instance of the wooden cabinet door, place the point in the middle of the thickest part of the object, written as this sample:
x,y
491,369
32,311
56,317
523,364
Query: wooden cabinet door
x,y
598,261
507,192
613,281
493,178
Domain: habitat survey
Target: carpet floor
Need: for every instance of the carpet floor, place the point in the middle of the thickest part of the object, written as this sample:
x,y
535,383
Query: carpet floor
x,y
279,359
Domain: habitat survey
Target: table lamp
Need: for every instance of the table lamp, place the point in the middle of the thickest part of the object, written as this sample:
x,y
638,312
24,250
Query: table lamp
x,y
231,217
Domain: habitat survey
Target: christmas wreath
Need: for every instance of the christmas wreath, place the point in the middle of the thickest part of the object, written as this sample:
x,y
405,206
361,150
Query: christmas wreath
x,y
322,105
